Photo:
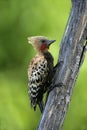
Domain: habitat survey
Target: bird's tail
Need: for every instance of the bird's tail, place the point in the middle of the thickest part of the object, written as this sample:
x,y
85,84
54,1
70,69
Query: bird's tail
x,y
41,106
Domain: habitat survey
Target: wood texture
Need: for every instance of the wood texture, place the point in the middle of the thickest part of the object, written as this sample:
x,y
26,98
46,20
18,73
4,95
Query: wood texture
x,y
71,57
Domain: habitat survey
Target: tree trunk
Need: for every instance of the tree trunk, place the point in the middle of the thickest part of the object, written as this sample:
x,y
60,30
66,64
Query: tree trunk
x,y
71,56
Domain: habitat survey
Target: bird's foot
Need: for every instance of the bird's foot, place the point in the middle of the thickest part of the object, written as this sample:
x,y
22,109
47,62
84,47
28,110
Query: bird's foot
x,y
52,86
57,65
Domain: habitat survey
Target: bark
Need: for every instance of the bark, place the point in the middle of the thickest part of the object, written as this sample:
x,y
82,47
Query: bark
x,y
71,57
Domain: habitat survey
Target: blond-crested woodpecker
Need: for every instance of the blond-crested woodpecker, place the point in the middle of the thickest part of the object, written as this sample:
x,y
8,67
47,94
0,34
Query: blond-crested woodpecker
x,y
40,70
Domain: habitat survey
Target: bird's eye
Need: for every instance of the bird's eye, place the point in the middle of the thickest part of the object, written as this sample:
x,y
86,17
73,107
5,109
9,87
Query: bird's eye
x,y
43,41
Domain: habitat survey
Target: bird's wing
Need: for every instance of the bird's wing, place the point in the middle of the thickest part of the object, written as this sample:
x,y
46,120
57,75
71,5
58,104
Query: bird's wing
x,y
37,75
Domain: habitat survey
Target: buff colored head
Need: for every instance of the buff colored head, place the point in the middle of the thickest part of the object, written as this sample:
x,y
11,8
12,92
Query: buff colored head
x,y
40,43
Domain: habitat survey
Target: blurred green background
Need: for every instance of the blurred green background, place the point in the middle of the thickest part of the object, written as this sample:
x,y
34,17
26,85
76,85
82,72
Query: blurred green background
x,y
18,20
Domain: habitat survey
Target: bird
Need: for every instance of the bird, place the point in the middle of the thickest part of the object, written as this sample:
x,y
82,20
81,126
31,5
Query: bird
x,y
40,70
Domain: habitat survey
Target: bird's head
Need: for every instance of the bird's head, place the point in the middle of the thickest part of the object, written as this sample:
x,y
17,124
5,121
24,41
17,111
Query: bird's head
x,y
40,43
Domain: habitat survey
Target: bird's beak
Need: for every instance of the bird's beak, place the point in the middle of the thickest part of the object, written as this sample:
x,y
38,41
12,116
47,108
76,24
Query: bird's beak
x,y
50,42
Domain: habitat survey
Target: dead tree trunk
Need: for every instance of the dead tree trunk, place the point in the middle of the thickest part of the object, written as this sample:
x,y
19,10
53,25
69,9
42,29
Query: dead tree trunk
x,y
71,56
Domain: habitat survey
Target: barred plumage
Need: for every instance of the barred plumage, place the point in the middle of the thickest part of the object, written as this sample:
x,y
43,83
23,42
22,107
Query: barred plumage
x,y
39,72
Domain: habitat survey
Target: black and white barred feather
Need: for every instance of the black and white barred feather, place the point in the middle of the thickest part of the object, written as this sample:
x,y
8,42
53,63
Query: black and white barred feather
x,y
37,76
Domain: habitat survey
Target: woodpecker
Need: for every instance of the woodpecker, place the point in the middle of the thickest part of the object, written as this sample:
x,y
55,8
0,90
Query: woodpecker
x,y
40,70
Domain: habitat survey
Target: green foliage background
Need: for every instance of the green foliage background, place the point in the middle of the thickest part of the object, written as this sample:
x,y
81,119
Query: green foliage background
x,y
18,20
